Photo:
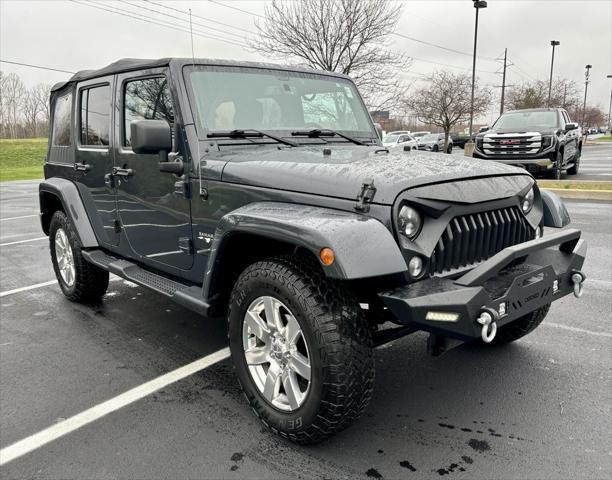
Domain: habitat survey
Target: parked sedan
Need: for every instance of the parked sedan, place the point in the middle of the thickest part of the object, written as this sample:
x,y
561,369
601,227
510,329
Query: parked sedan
x,y
394,141
434,142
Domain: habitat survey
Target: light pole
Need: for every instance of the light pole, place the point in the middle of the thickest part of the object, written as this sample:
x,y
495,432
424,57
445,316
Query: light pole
x,y
554,43
610,107
587,74
478,4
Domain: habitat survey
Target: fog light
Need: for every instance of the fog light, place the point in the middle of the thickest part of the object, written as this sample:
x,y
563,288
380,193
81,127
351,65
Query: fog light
x,y
415,267
502,309
555,286
442,316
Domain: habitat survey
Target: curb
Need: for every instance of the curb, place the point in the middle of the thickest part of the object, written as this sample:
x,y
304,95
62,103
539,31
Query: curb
x,y
582,194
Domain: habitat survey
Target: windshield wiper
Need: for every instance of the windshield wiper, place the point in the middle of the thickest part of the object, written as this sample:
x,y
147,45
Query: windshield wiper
x,y
325,133
250,133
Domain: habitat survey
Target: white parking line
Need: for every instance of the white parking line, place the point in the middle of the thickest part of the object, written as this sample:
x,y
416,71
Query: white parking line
x,y
17,218
24,241
71,424
578,330
25,289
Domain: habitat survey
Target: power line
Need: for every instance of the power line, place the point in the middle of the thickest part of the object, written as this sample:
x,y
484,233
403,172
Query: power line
x,y
449,65
202,18
146,19
238,9
435,45
183,19
36,66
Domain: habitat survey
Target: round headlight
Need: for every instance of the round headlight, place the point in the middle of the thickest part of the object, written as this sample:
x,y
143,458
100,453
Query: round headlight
x,y
409,221
415,267
527,201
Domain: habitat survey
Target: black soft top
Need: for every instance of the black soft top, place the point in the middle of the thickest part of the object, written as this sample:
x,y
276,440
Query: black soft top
x,y
129,64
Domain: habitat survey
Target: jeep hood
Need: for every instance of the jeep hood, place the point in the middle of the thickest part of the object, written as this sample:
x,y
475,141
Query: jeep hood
x,y
342,172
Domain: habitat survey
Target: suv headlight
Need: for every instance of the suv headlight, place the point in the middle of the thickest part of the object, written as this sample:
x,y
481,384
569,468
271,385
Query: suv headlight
x,y
527,201
409,221
547,141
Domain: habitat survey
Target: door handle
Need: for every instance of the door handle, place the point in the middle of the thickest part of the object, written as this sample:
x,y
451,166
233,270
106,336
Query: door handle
x,y
123,172
82,167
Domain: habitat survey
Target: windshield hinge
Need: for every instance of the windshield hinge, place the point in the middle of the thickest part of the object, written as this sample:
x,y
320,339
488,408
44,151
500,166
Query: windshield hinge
x,y
366,195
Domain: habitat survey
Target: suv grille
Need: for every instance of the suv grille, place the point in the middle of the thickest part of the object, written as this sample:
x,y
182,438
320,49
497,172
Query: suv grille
x,y
512,143
470,239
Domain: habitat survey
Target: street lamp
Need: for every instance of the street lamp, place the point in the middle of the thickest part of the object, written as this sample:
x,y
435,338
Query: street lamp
x,y
587,73
478,4
554,43
610,107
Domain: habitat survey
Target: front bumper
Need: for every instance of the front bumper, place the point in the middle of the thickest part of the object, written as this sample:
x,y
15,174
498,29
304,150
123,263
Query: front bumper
x,y
509,285
539,162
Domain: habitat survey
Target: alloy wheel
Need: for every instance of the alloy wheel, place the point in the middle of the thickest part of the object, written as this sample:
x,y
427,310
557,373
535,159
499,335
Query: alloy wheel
x,y
276,353
64,257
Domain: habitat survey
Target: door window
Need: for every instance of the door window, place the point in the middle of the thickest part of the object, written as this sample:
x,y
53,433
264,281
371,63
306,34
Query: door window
x,y
95,116
146,99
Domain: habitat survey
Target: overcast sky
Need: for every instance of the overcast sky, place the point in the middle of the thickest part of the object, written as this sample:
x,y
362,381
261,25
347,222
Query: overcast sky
x,y
70,35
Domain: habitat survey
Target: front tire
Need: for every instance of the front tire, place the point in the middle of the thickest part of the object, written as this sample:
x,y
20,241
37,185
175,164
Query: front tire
x,y
301,348
558,168
449,150
79,280
520,327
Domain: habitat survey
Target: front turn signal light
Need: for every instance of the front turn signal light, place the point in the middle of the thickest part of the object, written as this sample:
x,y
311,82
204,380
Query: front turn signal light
x,y
327,256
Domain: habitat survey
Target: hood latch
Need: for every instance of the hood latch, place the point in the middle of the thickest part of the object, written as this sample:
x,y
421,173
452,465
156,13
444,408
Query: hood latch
x,y
366,195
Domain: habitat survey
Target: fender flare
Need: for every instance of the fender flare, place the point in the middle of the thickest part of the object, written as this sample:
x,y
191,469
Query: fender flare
x,y
68,194
364,247
555,212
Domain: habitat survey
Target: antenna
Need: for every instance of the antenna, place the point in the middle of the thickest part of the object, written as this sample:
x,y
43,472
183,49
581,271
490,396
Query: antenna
x,y
203,191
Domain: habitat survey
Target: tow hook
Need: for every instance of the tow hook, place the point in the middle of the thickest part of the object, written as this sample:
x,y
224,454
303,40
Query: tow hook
x,y
578,279
487,319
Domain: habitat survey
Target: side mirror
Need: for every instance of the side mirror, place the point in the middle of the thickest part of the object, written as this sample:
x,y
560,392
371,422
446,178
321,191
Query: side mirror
x,y
483,129
151,136
571,126
379,130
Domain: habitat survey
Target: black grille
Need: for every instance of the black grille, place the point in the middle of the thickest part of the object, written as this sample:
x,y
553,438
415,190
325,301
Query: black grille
x,y
470,239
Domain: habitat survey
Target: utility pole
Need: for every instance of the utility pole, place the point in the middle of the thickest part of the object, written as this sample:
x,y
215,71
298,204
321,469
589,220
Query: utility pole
x,y
501,107
610,107
587,74
554,43
478,4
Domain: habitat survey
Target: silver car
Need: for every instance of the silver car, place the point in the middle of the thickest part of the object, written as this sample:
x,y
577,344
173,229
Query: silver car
x,y
434,142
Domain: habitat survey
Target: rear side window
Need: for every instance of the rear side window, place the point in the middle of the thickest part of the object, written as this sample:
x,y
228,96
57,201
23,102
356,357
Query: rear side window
x,y
146,99
95,116
60,136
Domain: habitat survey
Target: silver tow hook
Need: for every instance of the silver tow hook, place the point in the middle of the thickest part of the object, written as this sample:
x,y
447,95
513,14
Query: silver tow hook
x,y
578,279
487,319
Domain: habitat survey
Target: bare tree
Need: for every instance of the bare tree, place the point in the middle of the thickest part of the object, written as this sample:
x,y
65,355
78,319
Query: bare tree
x,y
445,101
344,36
31,111
41,92
13,92
565,94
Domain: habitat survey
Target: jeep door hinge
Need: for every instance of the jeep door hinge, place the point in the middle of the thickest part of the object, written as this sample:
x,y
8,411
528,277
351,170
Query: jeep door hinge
x,y
366,195
186,245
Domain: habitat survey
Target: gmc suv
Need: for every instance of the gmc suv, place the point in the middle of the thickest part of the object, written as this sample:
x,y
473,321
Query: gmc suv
x,y
540,140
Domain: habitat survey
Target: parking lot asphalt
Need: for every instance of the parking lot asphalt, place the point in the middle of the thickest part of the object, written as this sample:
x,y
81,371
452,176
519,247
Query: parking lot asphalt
x,y
539,408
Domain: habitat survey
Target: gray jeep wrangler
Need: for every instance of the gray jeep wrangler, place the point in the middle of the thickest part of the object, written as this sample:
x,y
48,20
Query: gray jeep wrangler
x,y
263,194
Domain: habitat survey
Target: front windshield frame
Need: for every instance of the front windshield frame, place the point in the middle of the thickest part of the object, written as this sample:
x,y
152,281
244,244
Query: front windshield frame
x,y
202,130
496,126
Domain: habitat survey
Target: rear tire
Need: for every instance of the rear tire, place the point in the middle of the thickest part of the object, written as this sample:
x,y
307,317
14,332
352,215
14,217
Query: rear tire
x,y
558,168
79,280
520,327
337,344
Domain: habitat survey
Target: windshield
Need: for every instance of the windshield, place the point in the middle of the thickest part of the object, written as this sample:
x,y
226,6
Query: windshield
x,y
390,139
238,98
429,138
526,120
419,134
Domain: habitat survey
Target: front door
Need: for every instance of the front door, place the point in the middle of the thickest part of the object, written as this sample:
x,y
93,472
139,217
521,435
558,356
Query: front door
x,y
155,219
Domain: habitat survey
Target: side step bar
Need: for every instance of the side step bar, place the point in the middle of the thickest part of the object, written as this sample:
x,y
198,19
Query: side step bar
x,y
188,296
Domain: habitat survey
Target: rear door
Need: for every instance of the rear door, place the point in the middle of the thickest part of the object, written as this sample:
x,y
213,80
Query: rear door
x,y
94,156
155,218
